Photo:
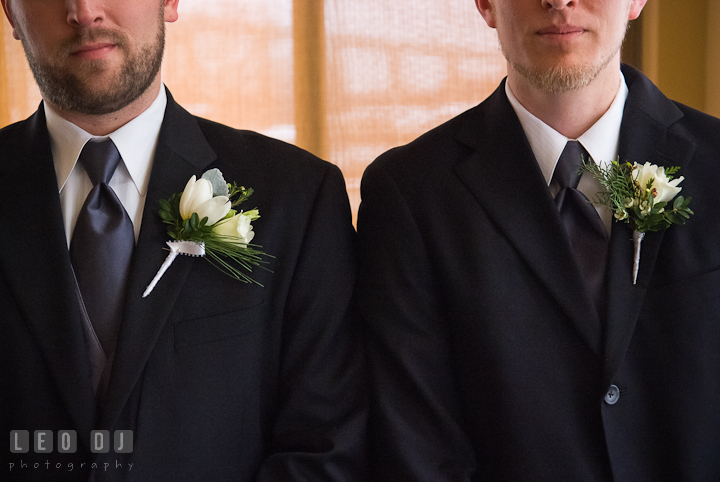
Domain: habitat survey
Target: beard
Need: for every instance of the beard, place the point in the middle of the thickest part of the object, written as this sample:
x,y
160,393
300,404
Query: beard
x,y
559,79
77,90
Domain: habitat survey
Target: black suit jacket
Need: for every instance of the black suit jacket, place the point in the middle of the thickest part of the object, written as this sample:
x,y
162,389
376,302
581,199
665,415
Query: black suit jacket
x,y
487,358
219,380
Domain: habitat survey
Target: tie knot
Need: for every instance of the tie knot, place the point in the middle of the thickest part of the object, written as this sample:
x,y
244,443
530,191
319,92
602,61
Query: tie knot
x,y
567,170
100,159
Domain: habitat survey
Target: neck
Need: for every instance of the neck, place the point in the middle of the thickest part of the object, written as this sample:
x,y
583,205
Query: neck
x,y
570,113
104,124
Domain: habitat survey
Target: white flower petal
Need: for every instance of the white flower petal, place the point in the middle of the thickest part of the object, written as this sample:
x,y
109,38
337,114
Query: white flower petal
x,y
237,229
666,193
677,181
665,190
227,227
214,209
185,198
195,194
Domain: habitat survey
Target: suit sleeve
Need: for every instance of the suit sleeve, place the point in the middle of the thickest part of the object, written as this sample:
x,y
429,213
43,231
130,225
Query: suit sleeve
x,y
416,424
319,432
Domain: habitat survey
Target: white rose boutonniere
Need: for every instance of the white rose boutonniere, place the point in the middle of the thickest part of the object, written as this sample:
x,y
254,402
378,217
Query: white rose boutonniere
x,y
202,222
640,194
238,229
655,178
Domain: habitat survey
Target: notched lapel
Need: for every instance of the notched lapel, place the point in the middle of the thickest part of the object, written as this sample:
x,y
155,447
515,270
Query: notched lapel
x,y
38,269
505,178
645,136
182,152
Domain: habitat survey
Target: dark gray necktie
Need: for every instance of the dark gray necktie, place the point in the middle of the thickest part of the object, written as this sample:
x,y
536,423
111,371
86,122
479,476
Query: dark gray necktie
x,y
102,244
588,238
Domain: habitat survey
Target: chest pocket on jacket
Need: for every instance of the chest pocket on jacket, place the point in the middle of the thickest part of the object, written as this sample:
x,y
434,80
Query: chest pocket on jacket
x,y
219,327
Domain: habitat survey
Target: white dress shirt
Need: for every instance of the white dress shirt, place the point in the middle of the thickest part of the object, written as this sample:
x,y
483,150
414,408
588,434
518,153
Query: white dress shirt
x,y
601,142
136,141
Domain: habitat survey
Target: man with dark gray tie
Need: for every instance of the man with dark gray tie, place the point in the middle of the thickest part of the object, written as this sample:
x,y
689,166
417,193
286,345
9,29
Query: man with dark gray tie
x,y
204,377
517,332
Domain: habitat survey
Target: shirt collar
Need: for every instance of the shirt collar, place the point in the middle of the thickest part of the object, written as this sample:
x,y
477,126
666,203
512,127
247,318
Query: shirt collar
x,y
136,142
601,140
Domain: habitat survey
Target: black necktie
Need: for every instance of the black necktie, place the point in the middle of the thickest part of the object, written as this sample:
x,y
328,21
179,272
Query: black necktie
x,y
102,244
588,238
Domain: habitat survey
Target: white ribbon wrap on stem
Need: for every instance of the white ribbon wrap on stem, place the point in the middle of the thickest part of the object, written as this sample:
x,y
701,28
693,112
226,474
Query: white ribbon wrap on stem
x,y
637,241
189,248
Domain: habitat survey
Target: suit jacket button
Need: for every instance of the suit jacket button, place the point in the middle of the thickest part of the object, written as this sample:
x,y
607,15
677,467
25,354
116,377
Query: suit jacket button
x,y
612,395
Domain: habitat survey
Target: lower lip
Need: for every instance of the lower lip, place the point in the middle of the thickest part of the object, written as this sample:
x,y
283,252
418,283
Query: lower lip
x,y
95,54
562,37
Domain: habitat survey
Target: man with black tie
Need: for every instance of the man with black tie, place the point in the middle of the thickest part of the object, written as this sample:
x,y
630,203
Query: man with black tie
x,y
208,377
508,337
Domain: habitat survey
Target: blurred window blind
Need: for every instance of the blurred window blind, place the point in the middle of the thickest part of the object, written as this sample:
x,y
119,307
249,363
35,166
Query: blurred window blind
x,y
398,68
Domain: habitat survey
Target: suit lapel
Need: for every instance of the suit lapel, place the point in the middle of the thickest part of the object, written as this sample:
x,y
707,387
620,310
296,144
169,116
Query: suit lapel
x,y
645,136
181,152
38,269
505,178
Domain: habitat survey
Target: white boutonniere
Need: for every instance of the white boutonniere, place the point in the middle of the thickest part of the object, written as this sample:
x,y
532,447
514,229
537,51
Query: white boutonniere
x,y
640,195
202,222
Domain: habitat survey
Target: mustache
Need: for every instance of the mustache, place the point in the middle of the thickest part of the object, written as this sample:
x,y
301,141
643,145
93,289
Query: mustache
x,y
94,35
